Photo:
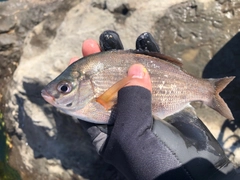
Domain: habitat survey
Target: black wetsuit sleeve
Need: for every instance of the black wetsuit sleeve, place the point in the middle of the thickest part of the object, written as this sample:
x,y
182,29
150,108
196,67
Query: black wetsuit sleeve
x,y
132,147
141,150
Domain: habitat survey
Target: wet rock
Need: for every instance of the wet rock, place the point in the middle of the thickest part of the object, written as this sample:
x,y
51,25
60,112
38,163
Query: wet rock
x,y
50,145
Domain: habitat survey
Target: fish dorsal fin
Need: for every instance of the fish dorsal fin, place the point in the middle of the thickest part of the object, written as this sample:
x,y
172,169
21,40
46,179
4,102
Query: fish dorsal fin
x,y
160,56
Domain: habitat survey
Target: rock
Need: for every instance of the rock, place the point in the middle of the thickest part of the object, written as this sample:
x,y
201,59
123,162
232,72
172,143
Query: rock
x,y
7,41
115,6
17,18
50,145
7,23
182,33
225,63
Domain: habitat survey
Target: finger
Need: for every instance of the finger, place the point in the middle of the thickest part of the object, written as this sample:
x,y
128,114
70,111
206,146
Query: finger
x,y
90,46
145,42
72,60
110,40
140,77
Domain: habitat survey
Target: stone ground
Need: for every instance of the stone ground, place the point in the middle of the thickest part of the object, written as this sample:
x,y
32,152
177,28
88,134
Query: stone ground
x,y
37,39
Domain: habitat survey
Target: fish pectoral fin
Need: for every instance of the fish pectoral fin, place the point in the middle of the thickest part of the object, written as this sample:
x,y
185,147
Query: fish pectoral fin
x,y
109,97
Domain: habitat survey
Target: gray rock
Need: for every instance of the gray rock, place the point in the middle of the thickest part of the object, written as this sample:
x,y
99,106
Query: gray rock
x,y
50,145
194,34
17,19
7,41
7,23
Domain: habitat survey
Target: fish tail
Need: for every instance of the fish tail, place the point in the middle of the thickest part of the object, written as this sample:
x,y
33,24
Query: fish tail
x,y
217,103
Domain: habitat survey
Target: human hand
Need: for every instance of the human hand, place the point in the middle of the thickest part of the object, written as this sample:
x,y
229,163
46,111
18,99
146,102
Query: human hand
x,y
143,148
139,74
110,40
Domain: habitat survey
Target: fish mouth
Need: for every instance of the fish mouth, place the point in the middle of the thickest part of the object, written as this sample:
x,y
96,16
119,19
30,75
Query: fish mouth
x,y
47,97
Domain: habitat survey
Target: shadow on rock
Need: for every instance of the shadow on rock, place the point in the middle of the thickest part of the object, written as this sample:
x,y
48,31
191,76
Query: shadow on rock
x,y
226,62
234,139
60,137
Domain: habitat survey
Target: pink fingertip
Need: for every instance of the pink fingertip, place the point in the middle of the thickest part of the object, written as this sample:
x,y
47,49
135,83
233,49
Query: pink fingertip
x,y
90,46
140,77
72,60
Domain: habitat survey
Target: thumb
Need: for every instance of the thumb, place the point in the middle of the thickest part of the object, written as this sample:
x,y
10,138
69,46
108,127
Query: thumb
x,y
140,77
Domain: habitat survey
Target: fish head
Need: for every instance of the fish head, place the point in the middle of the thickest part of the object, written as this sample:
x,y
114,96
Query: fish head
x,y
72,92
62,92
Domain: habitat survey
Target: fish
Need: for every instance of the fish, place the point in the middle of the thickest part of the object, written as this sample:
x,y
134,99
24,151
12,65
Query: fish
x,y
88,88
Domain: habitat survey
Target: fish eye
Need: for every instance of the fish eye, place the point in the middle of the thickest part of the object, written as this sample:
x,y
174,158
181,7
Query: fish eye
x,y
64,87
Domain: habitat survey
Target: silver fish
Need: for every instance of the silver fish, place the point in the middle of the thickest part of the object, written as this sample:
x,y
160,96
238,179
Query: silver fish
x,y
76,90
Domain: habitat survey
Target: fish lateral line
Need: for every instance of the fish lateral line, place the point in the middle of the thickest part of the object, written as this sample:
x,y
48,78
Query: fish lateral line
x,y
108,98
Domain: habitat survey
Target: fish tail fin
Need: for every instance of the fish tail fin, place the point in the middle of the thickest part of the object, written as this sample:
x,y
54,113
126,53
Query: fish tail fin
x,y
217,102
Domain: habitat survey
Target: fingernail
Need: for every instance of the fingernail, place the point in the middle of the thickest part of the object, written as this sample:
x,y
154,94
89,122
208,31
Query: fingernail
x,y
139,73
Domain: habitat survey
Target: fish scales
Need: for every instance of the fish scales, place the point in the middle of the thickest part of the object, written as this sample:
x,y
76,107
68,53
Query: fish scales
x,y
173,88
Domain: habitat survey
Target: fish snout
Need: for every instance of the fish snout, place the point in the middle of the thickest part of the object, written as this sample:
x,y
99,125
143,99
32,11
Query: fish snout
x,y
47,96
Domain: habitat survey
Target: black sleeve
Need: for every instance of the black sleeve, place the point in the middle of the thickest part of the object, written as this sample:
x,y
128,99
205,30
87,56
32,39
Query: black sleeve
x,y
138,153
132,146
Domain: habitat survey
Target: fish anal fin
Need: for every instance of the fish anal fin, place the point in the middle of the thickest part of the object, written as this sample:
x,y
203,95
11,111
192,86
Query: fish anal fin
x,y
217,103
160,56
109,97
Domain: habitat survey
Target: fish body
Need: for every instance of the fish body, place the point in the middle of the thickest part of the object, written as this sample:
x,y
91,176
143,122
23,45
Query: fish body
x,y
76,89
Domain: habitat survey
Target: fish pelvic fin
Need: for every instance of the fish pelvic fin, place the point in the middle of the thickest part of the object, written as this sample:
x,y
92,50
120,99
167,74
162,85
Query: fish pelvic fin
x,y
217,103
109,97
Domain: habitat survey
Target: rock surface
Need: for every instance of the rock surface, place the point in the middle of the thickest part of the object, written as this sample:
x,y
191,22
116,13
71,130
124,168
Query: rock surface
x,y
50,145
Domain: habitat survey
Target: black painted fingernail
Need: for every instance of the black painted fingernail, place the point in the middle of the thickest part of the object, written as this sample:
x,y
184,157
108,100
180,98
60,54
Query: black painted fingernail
x,y
145,42
110,40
